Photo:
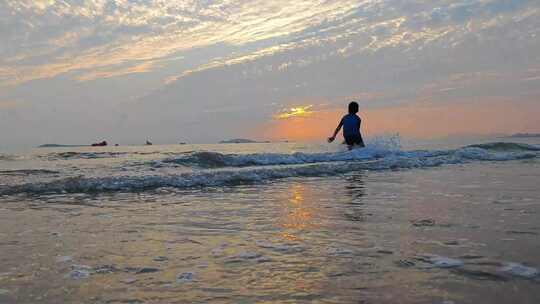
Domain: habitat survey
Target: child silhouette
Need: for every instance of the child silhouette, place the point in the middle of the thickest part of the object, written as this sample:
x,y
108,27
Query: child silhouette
x,y
351,128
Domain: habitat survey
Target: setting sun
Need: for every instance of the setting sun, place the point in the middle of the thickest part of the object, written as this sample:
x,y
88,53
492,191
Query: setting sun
x,y
301,111
255,151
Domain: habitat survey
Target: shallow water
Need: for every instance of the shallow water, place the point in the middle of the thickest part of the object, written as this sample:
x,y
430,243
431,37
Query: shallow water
x,y
462,231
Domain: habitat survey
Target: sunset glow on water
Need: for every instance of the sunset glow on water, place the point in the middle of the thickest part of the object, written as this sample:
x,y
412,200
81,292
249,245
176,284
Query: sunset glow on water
x,y
250,151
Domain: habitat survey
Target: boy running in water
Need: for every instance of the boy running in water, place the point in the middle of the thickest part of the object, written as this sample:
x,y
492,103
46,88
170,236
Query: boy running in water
x,y
351,128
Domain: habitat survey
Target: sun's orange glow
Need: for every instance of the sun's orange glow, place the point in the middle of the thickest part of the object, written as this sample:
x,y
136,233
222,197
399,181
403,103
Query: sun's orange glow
x,y
311,127
470,117
416,120
301,111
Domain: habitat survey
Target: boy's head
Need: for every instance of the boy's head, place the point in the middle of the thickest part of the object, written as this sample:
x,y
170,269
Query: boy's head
x,y
353,107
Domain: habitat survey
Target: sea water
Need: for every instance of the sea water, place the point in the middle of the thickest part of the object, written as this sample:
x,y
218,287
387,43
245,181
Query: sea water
x,y
432,222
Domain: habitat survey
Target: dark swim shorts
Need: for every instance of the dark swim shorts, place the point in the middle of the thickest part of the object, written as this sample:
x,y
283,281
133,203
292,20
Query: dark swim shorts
x,y
354,140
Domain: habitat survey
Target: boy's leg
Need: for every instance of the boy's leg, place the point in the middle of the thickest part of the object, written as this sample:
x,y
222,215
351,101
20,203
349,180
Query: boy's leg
x,y
350,142
360,141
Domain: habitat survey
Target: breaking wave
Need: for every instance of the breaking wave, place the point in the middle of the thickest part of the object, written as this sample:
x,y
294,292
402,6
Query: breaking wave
x,y
9,157
216,160
506,146
233,169
493,151
377,148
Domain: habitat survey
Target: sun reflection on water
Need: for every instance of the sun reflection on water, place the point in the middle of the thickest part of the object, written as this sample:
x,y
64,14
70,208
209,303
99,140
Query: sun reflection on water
x,y
298,213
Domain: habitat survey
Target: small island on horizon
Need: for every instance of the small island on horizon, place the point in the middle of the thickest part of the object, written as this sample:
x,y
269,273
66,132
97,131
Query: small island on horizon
x,y
524,135
229,141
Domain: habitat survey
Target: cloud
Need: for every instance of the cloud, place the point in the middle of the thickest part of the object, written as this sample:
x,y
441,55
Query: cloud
x,y
109,34
49,38
211,68
109,72
299,111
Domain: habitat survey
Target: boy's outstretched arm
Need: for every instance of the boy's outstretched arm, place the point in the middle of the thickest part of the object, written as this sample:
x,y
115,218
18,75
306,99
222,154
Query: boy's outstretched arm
x,y
331,138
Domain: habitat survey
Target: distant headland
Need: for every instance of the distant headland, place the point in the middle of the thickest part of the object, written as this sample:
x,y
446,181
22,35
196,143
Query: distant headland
x,y
525,135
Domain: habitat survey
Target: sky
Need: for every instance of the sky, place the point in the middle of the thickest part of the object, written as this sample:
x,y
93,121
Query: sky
x,y
76,72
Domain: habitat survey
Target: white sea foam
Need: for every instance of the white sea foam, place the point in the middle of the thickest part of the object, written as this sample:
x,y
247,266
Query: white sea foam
x,y
79,272
185,277
236,169
444,262
440,261
520,270
248,255
380,149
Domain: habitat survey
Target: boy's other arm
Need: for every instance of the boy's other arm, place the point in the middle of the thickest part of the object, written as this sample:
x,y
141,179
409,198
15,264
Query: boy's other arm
x,y
331,138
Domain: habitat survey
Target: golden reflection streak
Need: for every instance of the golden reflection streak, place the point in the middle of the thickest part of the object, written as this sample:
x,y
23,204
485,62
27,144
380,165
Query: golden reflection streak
x,y
298,214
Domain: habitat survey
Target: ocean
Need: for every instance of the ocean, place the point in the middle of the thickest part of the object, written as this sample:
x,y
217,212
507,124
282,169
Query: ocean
x,y
397,222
